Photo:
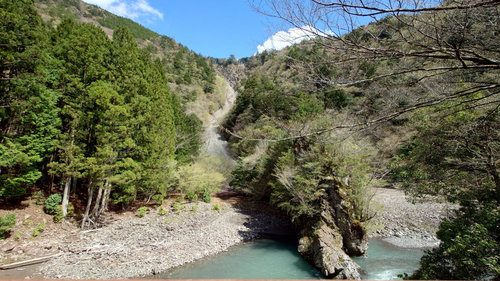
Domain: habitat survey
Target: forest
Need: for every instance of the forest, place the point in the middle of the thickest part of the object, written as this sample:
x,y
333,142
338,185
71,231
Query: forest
x,y
83,112
92,122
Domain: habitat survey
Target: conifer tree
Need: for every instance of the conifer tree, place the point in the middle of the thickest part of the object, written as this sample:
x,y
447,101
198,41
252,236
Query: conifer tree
x,y
97,114
29,118
151,124
82,51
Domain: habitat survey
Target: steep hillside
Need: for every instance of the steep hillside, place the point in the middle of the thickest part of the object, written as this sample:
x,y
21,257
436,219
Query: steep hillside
x,y
85,111
191,76
406,101
53,11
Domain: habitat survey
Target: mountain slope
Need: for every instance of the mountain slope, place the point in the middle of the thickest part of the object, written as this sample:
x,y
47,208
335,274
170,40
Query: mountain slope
x,y
54,10
191,76
316,124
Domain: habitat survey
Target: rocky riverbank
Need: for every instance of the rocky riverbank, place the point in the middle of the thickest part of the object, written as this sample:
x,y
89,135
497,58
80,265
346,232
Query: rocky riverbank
x,y
406,224
136,247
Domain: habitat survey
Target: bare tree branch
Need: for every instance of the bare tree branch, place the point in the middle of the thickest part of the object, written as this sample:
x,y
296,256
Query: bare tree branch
x,y
375,11
382,119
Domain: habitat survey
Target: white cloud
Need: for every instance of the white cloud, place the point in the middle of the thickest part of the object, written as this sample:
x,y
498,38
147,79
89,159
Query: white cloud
x,y
143,5
283,39
133,9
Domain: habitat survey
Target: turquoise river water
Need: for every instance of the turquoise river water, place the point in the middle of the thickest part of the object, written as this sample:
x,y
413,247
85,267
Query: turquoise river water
x,y
384,261
275,259
261,259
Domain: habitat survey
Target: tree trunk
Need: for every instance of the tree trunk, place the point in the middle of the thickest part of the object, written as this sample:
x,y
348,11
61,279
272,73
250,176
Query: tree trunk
x,y
66,192
75,180
95,211
51,174
105,198
89,203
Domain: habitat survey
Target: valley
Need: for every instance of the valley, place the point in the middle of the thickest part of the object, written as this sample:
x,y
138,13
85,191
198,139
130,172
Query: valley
x,y
124,154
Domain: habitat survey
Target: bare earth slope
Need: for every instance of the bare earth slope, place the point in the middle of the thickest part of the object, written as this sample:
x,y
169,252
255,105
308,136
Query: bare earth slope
x,y
215,145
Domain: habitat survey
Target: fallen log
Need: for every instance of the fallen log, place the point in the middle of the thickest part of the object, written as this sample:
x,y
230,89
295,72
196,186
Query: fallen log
x,y
26,262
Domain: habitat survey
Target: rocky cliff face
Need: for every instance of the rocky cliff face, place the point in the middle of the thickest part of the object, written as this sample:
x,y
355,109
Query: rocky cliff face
x,y
327,240
234,73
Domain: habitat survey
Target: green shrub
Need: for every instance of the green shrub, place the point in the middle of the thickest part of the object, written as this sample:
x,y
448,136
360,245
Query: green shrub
x,y
158,198
141,212
194,208
469,247
38,229
206,195
191,196
368,68
161,211
6,224
58,215
200,176
242,175
38,197
336,98
217,207
299,186
176,207
51,203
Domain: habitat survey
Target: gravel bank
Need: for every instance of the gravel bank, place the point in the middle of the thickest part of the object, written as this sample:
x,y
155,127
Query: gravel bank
x,y
136,247
405,224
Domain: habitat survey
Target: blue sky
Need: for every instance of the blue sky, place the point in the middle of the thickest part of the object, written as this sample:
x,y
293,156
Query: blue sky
x,y
216,28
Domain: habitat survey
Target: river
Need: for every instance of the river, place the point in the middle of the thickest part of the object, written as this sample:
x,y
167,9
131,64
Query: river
x,y
384,261
261,259
278,259
275,259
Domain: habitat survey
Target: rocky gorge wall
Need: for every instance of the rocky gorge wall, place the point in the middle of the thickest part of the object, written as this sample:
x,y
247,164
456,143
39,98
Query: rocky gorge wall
x,y
328,240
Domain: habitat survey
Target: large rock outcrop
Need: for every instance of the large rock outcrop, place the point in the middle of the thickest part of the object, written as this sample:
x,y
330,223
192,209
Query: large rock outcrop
x,y
328,239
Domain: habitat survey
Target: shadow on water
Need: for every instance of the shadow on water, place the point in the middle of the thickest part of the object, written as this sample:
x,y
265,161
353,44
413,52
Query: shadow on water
x,y
260,259
274,256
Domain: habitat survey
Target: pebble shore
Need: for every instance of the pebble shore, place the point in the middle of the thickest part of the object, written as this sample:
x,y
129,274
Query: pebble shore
x,y
139,247
406,224
132,247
